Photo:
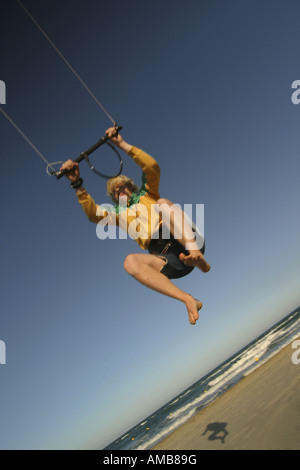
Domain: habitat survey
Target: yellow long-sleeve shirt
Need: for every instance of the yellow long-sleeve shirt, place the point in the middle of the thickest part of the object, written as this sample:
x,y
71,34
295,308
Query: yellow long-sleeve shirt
x,y
139,219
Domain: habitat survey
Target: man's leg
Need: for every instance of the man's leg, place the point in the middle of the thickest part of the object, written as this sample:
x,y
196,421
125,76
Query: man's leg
x,y
174,220
146,269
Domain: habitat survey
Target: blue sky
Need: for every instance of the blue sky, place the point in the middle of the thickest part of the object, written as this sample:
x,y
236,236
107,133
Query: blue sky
x,y
204,87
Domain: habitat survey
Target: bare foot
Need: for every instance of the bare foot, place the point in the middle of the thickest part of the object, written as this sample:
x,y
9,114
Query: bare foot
x,y
193,306
195,258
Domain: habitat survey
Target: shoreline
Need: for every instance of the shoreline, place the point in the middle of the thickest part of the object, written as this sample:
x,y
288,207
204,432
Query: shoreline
x,y
261,412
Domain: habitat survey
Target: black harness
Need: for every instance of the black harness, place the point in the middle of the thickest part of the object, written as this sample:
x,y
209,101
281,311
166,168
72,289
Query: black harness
x,y
161,246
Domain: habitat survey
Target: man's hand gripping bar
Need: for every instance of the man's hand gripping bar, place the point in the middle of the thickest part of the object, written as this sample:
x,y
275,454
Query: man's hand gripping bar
x,y
60,173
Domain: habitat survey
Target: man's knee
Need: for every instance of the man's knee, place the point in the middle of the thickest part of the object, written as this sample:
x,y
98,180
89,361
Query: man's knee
x,y
130,264
162,201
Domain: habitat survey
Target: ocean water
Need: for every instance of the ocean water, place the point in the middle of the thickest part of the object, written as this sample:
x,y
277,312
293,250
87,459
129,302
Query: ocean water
x,y
181,408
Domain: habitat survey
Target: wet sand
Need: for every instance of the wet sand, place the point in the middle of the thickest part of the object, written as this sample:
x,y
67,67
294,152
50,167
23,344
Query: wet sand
x,y
262,412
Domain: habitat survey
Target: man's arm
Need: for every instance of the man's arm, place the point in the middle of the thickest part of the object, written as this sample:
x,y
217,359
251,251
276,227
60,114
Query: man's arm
x,y
118,140
150,167
85,200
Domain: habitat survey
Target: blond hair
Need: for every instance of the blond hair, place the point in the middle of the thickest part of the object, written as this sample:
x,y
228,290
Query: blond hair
x,y
117,180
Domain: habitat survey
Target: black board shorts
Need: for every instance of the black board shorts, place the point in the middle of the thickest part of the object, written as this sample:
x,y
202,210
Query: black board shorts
x,y
170,251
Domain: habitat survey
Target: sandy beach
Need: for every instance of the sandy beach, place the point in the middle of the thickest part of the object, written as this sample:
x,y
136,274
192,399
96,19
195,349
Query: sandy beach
x,y
262,412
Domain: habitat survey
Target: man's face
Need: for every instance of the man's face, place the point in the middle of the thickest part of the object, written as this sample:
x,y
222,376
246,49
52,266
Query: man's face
x,y
122,191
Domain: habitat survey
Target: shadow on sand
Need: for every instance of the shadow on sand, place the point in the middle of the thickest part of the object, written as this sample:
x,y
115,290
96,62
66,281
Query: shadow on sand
x,y
217,430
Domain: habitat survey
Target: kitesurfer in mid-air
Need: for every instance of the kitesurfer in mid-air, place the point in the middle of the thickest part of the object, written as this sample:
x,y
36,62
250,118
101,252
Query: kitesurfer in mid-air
x,y
169,257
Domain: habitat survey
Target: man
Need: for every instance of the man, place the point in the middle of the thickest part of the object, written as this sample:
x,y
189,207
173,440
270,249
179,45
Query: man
x,y
167,258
